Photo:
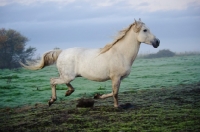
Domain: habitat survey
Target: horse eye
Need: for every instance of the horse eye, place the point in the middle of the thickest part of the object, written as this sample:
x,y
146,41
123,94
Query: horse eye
x,y
145,30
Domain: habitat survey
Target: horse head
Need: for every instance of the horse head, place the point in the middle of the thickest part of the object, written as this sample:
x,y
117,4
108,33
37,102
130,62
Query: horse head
x,y
144,34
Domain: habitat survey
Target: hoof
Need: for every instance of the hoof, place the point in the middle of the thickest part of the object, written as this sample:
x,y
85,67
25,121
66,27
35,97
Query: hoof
x,y
51,101
97,96
117,106
69,92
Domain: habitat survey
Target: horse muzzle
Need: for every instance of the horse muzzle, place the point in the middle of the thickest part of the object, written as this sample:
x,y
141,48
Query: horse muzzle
x,y
156,43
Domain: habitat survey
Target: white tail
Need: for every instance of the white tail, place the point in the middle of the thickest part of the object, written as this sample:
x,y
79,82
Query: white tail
x,y
47,59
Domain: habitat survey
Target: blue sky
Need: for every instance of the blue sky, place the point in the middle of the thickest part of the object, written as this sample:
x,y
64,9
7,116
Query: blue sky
x,y
93,23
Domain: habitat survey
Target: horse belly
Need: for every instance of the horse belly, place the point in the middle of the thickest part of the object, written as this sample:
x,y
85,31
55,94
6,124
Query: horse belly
x,y
95,77
94,68
93,73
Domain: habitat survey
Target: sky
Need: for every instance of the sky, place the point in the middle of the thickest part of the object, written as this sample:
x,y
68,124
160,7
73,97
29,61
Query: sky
x,y
93,23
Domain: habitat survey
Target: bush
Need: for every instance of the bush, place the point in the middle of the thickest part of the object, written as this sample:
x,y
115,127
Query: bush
x,y
12,49
161,53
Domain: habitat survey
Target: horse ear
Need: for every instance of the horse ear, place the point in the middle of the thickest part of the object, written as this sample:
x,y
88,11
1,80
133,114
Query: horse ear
x,y
135,28
139,19
135,22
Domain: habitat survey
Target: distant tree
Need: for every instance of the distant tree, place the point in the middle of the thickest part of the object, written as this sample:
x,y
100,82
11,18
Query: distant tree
x,y
161,53
165,53
12,49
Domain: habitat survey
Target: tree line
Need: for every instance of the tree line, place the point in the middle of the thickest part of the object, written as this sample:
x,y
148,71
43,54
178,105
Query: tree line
x,y
13,49
160,53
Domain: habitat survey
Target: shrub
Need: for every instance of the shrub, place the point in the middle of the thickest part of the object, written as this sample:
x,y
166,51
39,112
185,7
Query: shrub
x,y
161,53
165,53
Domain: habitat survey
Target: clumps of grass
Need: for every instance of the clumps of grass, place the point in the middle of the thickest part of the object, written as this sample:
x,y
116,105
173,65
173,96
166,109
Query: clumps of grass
x,y
101,88
7,87
9,77
9,100
16,93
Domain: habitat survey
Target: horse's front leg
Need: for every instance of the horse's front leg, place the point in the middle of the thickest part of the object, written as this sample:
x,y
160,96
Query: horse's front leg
x,y
115,87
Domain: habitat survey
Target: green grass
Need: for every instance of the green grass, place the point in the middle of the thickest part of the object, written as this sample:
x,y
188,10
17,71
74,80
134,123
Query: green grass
x,y
9,77
173,109
34,86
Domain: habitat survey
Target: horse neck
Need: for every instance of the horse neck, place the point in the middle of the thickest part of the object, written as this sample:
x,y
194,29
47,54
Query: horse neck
x,y
128,46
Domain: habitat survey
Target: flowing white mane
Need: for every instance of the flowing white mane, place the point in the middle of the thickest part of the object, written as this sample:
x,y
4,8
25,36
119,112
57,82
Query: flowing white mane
x,y
121,34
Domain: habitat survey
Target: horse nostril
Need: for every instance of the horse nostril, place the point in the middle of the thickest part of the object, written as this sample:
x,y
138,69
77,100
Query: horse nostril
x,y
157,41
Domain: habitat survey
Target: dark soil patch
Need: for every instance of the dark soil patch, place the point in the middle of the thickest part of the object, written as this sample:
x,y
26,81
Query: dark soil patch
x,y
173,109
85,103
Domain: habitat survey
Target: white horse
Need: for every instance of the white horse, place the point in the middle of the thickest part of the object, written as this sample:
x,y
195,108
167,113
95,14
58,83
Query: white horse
x,y
113,62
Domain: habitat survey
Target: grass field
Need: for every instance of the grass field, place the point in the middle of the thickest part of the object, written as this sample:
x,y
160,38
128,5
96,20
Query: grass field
x,y
24,87
172,109
164,95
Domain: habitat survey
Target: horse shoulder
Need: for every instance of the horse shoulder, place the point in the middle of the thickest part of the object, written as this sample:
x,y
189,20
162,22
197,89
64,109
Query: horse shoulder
x,y
119,66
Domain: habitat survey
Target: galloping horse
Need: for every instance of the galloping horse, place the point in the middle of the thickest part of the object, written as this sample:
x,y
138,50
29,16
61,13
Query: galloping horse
x,y
113,62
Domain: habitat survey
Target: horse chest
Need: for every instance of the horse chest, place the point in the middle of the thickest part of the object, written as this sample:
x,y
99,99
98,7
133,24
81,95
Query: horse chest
x,y
125,73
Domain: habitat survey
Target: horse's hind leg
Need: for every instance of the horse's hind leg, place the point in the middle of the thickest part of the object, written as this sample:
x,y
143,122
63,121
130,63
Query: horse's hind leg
x,y
99,96
70,89
54,82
